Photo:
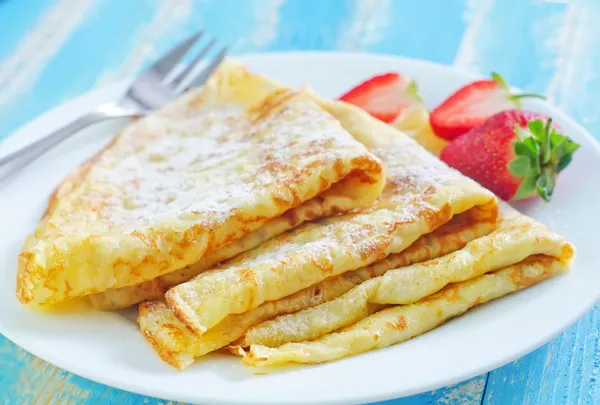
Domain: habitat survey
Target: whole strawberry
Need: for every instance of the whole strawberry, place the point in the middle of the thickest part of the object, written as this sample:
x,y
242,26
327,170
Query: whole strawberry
x,y
513,153
472,104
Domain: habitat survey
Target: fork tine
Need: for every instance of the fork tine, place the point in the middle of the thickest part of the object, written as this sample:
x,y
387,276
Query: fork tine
x,y
182,76
204,74
165,64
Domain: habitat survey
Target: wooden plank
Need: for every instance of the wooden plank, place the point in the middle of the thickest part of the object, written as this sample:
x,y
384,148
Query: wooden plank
x,y
413,30
81,56
37,382
466,393
575,85
564,371
33,381
16,18
306,25
511,38
22,68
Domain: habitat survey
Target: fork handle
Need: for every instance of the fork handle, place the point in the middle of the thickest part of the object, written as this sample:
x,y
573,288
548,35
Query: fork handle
x,y
22,157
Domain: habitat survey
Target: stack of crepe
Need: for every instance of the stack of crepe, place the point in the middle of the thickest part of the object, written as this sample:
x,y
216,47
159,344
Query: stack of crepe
x,y
284,244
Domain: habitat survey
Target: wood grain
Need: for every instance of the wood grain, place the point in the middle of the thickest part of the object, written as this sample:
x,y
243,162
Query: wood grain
x,y
564,371
538,45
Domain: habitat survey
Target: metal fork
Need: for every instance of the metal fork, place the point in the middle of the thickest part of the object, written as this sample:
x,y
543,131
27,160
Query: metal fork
x,y
153,88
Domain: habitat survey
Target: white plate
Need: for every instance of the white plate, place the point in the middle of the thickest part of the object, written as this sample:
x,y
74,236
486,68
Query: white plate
x,y
108,348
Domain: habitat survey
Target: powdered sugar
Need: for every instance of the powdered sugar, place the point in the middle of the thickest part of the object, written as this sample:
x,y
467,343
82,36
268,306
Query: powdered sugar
x,y
201,163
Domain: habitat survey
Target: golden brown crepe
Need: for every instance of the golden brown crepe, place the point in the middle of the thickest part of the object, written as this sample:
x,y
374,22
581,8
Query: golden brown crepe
x,y
124,297
517,238
421,194
208,169
414,121
519,254
179,347
399,323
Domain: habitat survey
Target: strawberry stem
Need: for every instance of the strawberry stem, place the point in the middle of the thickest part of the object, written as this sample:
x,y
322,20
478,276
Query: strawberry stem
x,y
515,97
527,95
546,147
499,79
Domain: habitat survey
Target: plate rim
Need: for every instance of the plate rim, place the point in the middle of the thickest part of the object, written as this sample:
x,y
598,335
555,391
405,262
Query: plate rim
x,y
392,393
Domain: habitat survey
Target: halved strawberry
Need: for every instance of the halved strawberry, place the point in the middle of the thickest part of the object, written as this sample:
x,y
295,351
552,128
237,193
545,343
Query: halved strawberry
x,y
395,99
384,96
472,104
514,153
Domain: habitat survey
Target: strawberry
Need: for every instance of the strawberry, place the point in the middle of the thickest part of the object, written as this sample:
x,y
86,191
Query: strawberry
x,y
472,104
408,114
384,96
513,153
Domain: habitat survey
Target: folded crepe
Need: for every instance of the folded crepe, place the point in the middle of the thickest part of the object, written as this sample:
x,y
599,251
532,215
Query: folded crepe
x,y
421,194
517,238
177,346
207,170
409,301
119,298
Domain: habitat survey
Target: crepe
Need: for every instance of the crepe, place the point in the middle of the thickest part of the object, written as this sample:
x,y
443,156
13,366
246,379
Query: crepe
x,y
517,238
179,347
124,297
400,323
189,179
536,255
421,194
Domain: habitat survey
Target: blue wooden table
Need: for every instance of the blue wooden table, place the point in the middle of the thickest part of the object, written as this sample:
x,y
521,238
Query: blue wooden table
x,y
51,51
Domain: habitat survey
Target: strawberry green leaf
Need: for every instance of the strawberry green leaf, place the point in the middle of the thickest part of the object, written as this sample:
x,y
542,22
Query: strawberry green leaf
x,y
527,147
521,133
536,127
564,162
526,187
534,145
545,184
531,144
413,90
499,79
567,149
541,153
570,146
563,149
556,138
515,98
521,166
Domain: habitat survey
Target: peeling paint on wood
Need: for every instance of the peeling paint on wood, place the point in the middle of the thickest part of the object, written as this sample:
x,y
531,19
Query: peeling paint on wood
x,y
564,371
476,17
19,71
267,20
169,14
365,28
578,63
